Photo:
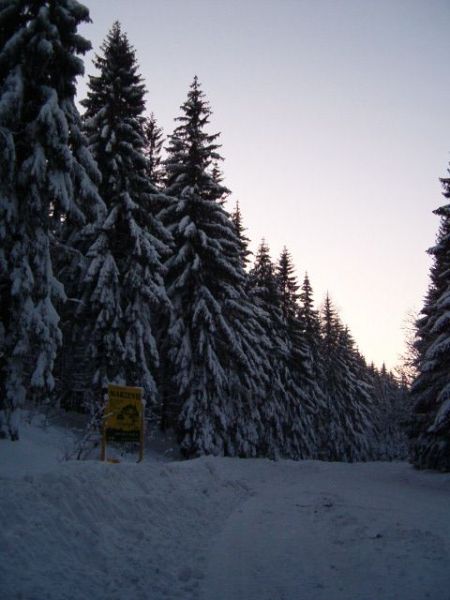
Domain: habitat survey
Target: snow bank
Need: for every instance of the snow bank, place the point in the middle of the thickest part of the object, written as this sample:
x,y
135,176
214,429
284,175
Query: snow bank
x,y
39,450
106,531
219,529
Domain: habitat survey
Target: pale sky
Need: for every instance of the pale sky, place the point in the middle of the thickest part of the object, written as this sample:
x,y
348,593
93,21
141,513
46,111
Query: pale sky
x,y
335,129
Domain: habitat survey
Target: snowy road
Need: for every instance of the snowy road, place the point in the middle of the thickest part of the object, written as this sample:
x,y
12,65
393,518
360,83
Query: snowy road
x,y
341,532
218,529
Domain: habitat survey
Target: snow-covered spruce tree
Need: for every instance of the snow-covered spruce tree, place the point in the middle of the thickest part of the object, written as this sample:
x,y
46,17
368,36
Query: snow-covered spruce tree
x,y
285,407
46,175
310,320
122,290
349,431
430,391
311,326
306,400
211,348
153,148
362,416
275,406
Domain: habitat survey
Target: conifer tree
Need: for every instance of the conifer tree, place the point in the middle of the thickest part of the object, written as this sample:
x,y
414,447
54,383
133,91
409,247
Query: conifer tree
x,y
310,320
349,434
211,351
305,400
328,350
431,389
123,288
236,217
311,327
287,284
46,176
275,407
263,277
154,143
285,411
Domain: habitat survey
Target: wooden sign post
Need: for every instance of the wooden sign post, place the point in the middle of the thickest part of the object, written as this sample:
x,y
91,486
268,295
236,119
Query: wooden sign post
x,y
124,417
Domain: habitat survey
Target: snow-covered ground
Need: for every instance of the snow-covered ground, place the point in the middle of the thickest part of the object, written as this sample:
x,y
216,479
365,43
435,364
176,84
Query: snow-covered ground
x,y
217,529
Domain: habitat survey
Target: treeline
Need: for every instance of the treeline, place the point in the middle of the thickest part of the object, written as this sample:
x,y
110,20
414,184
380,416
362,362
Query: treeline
x,y
120,266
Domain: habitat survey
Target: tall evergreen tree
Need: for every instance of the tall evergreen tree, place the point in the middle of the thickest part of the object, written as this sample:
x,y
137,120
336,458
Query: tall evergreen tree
x,y
286,408
46,176
431,389
275,406
123,288
311,328
305,401
349,433
211,349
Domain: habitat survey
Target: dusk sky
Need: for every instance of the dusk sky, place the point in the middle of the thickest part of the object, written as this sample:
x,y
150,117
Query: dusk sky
x,y
335,129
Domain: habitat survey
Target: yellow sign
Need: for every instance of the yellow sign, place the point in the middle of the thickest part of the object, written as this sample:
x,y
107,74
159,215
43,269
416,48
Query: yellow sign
x,y
124,414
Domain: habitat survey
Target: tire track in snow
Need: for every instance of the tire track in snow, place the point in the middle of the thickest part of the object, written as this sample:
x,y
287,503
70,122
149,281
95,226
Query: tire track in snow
x,y
359,532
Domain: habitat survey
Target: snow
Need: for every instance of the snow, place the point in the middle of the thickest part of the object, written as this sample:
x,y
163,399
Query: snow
x,y
217,529
40,450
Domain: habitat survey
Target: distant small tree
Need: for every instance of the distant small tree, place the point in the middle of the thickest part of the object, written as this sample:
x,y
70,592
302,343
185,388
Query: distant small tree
x,y
287,284
153,149
310,320
236,217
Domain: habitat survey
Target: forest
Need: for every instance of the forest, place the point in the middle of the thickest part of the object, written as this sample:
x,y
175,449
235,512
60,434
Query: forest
x,y
121,261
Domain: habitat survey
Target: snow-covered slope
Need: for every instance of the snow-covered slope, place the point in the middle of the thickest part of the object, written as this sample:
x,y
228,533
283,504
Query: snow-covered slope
x,y
218,529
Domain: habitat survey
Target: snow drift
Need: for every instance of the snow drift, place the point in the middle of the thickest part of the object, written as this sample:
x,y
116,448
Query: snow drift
x,y
218,529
